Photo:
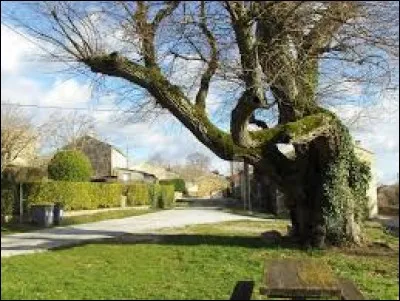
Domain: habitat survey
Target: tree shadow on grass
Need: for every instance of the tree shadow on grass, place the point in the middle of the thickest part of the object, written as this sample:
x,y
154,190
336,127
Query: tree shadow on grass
x,y
69,237
65,238
269,242
254,242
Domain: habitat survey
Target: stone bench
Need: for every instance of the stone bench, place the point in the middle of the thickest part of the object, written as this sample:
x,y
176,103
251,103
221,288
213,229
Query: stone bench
x,y
305,278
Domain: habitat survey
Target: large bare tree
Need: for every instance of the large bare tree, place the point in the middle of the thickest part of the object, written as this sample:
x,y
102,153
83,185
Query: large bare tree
x,y
279,56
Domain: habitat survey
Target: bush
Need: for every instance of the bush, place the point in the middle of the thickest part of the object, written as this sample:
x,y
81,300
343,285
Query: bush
x,y
154,192
161,196
179,184
70,165
90,195
167,197
74,195
137,194
155,195
7,201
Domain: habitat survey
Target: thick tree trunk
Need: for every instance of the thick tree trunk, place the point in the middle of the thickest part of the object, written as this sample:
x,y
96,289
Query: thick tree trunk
x,y
304,187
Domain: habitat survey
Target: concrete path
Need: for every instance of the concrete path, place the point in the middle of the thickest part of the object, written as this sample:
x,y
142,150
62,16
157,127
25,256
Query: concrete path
x,y
392,222
42,240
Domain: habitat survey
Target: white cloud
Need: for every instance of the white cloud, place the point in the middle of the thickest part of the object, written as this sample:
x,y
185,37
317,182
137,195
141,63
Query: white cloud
x,y
14,50
67,93
103,119
20,89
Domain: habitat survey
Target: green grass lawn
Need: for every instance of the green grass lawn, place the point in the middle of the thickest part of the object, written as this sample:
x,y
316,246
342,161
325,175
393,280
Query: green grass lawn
x,y
197,262
73,220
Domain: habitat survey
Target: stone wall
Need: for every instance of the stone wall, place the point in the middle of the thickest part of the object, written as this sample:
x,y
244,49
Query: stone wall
x,y
372,193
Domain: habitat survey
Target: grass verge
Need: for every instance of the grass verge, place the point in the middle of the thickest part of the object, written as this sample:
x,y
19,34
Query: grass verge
x,y
74,220
195,262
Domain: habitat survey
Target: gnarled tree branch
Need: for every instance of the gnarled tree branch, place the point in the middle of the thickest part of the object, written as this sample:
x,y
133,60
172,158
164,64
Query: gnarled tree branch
x,y
212,64
253,96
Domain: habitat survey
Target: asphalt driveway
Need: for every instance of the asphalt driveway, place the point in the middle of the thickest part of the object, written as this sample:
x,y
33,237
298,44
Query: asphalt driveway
x,y
42,240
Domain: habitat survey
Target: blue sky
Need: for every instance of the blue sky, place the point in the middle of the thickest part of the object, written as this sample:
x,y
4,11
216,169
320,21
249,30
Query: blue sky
x,y
27,80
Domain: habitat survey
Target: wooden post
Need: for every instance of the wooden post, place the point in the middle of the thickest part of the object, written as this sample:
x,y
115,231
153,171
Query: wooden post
x,y
247,185
21,207
243,188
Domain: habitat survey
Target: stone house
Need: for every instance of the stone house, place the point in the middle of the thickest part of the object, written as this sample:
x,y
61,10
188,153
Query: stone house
x,y
266,197
108,162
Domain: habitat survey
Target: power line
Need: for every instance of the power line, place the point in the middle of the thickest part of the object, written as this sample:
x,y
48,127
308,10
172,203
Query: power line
x,y
60,107
34,43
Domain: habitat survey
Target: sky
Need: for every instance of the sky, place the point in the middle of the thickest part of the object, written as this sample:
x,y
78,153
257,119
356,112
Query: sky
x,y
25,79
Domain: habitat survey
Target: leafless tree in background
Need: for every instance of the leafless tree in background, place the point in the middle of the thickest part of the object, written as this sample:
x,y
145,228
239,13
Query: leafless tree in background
x,y
280,58
158,159
60,129
19,137
199,161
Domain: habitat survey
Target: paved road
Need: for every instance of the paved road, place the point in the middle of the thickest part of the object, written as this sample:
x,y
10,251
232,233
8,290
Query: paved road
x,y
42,240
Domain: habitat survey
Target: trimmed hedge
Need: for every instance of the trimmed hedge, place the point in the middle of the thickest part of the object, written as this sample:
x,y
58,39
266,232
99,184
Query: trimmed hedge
x,y
70,165
162,196
74,195
91,195
7,201
167,196
155,195
9,197
179,184
137,194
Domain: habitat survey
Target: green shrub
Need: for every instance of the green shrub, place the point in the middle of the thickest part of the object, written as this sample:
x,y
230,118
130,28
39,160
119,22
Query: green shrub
x,y
179,184
70,165
167,196
126,186
7,201
155,195
74,195
138,194
162,196
154,192
110,195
